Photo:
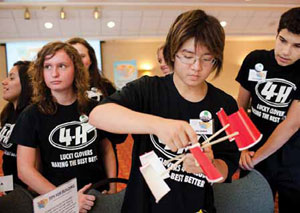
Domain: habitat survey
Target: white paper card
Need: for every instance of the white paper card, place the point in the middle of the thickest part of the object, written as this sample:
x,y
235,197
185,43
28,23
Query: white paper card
x,y
86,127
257,75
63,199
152,158
201,127
156,183
6,183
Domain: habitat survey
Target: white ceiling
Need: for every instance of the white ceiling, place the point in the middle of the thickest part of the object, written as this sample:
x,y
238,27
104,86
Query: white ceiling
x,y
135,19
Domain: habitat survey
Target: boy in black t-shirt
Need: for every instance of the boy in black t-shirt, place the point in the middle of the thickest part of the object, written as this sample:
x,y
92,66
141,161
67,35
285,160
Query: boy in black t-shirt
x,y
269,79
166,113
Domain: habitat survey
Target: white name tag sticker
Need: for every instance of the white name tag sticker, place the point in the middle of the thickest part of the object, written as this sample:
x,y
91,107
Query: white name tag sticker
x,y
86,127
201,127
152,158
6,183
257,75
155,182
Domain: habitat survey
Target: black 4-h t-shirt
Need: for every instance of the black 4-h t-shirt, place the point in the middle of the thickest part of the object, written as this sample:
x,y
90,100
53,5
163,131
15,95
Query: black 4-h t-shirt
x,y
68,147
297,94
272,95
9,165
159,96
291,149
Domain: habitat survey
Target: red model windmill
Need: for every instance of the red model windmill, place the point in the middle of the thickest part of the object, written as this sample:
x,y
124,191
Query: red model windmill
x,y
237,126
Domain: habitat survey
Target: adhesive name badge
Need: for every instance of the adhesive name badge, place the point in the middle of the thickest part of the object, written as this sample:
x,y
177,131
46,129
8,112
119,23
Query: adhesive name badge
x,y
152,158
202,127
155,182
6,183
255,75
86,127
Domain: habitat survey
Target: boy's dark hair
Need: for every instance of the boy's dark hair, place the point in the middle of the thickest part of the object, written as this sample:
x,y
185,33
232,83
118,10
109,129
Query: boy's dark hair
x,y
206,30
290,20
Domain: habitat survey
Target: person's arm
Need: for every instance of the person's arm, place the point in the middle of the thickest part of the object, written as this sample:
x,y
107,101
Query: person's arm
x,y
243,100
118,119
191,166
29,174
109,161
27,171
283,132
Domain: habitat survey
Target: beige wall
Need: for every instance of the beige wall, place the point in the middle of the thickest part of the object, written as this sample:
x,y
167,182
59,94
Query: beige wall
x,y
142,52
235,52
2,73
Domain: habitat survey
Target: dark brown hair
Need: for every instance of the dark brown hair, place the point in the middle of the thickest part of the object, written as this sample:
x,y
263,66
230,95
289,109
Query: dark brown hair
x,y
25,95
42,94
290,20
96,78
204,28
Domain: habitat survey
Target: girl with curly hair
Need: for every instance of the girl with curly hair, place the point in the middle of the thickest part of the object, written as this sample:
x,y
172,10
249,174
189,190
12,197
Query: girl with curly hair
x,y
57,125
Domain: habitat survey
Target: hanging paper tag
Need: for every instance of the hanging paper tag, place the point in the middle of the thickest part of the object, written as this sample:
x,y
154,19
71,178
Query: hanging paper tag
x,y
152,158
6,183
155,182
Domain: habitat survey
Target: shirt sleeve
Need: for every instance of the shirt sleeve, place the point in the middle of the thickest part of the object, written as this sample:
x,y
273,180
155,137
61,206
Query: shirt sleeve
x,y
243,73
110,88
297,93
131,96
25,131
113,137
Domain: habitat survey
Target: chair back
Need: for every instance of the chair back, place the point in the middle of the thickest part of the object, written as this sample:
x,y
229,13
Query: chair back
x,y
17,201
248,194
108,203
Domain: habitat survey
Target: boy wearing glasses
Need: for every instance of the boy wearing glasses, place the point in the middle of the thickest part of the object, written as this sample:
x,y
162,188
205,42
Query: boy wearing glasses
x,y
166,114
269,79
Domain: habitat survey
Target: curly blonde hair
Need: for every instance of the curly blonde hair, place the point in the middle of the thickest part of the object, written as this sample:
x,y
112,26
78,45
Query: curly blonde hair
x,y
42,94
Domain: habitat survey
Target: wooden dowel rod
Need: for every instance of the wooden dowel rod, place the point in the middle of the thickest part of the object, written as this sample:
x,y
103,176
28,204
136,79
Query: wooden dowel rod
x,y
220,140
217,133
